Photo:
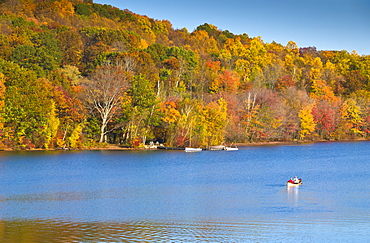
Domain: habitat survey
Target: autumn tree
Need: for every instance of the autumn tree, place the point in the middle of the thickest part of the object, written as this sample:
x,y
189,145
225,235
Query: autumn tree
x,y
103,93
187,122
71,45
70,109
203,43
362,99
351,120
139,110
258,56
211,122
27,103
295,101
307,123
227,81
171,117
326,117
2,100
321,91
326,109
250,114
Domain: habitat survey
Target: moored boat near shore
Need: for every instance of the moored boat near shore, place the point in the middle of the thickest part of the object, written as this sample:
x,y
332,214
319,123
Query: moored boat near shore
x,y
216,148
231,148
188,149
170,148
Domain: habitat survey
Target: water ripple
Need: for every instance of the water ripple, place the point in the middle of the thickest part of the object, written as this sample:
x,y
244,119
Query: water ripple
x,y
147,231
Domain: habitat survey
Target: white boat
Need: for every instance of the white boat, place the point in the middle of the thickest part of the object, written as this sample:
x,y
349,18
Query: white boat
x,y
231,148
215,148
290,183
187,149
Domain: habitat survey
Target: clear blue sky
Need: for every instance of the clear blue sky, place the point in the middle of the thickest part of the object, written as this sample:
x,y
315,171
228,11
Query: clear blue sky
x,y
326,24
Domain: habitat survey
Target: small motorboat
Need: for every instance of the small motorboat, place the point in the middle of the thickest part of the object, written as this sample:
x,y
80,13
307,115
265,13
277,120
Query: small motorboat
x,y
217,148
170,148
292,183
187,149
231,148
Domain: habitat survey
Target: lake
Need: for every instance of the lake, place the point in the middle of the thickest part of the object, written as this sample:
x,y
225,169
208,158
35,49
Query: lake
x,y
173,196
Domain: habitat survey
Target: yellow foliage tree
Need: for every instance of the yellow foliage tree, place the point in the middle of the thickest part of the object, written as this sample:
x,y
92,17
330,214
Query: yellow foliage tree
x,y
203,43
235,47
242,67
65,7
316,69
75,136
51,128
321,91
258,56
307,123
2,91
351,118
171,114
2,98
146,29
211,123
292,48
171,117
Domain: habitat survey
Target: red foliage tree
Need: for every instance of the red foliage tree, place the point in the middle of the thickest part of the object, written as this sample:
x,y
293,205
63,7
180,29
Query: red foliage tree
x,y
326,118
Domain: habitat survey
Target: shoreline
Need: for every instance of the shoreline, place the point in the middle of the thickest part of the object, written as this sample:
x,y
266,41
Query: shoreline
x,y
113,147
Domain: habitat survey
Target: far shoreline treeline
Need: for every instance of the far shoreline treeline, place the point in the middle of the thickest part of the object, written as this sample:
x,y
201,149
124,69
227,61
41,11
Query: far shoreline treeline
x,y
114,147
80,75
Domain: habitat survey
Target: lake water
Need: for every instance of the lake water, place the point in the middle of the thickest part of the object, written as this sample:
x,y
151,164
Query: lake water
x,y
173,196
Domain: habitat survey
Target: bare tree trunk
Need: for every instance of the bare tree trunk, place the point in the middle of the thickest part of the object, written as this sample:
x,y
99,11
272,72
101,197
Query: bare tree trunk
x,y
250,109
104,92
102,131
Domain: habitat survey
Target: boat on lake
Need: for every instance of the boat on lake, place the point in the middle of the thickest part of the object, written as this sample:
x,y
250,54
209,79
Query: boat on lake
x,y
231,148
291,183
216,148
188,149
170,148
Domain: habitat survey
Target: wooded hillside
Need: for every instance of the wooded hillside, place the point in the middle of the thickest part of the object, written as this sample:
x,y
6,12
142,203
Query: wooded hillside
x,y
77,74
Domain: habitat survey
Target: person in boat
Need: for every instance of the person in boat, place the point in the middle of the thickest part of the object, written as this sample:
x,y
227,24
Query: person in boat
x,y
291,181
295,180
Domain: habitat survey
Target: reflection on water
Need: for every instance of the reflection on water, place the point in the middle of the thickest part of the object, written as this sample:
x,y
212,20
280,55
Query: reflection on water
x,y
257,231
171,196
293,195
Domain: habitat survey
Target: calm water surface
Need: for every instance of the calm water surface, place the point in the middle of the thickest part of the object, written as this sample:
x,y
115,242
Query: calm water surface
x,y
173,196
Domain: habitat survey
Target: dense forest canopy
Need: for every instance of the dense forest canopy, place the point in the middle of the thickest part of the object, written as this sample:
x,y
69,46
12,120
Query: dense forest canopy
x,y
75,74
